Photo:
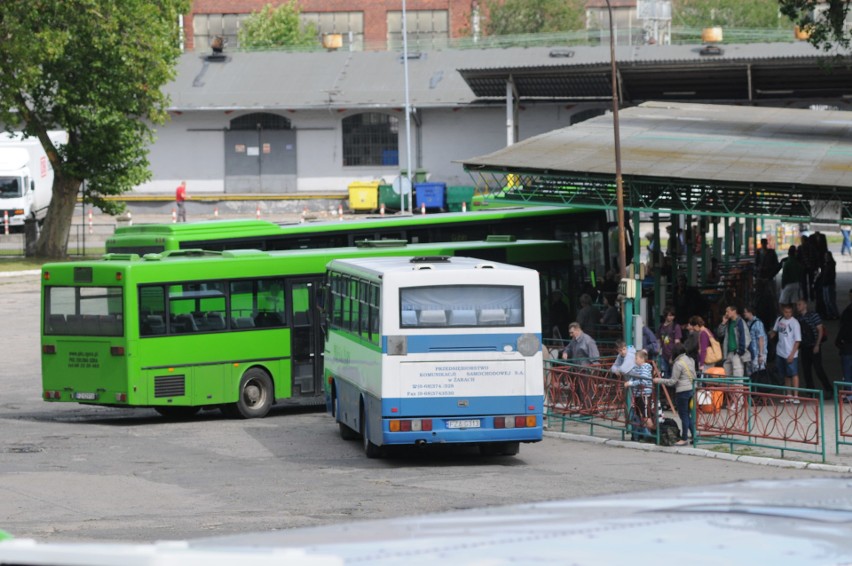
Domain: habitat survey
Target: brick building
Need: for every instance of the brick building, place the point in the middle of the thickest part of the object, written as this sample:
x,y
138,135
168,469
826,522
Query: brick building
x,y
362,24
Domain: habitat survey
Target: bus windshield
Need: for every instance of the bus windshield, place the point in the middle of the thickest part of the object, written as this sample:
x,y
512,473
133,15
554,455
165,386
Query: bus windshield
x,y
10,187
84,311
461,305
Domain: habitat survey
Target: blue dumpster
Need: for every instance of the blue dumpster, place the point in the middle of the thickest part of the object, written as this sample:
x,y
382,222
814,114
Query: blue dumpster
x,y
432,195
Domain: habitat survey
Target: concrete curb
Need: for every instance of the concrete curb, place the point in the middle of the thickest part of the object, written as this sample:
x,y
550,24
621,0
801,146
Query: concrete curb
x,y
19,273
700,452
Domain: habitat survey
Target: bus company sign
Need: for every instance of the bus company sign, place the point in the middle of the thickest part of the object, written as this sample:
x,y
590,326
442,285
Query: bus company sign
x,y
451,379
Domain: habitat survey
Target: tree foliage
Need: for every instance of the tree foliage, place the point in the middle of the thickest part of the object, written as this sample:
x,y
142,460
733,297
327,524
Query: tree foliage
x,y
506,17
93,68
277,27
761,14
827,28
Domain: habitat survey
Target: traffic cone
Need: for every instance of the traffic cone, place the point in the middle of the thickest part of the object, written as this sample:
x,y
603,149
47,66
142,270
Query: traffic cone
x,y
174,216
422,208
216,212
340,212
464,206
382,209
257,212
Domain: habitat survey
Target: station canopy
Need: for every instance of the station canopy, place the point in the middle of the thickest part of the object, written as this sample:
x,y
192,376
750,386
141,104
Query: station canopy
x,y
685,158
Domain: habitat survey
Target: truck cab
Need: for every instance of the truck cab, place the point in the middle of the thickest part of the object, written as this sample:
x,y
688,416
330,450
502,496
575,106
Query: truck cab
x,y
17,189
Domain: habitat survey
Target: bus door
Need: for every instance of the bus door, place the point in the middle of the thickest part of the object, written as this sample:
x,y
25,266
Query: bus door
x,y
305,337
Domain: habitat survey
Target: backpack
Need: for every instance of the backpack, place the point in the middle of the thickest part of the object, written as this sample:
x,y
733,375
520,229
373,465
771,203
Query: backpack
x,y
669,432
809,333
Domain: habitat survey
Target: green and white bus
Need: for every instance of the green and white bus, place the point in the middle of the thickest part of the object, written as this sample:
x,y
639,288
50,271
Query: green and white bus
x,y
237,330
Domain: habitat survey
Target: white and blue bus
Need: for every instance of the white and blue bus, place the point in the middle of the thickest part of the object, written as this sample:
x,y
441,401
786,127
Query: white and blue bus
x,y
430,350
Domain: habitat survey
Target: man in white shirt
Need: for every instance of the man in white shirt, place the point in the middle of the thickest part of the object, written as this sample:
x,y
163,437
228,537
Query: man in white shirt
x,y
787,351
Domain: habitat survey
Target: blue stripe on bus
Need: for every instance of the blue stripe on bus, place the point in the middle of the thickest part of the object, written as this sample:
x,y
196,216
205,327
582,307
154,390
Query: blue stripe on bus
x,y
449,343
449,406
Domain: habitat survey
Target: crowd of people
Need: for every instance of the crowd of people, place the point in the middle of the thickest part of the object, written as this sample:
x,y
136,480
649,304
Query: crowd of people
x,y
770,346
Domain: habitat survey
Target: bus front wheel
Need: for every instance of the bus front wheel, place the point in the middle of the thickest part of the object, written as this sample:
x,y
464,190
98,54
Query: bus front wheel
x,y
255,396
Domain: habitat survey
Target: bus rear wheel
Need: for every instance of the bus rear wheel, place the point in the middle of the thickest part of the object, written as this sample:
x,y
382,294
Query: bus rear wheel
x,y
178,413
346,433
255,396
370,449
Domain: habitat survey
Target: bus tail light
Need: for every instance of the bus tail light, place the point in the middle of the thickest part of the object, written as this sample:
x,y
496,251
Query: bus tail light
x,y
121,397
117,350
52,395
520,421
46,275
48,349
415,425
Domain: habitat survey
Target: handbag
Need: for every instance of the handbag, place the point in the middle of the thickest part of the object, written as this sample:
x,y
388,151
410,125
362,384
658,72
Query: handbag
x,y
713,354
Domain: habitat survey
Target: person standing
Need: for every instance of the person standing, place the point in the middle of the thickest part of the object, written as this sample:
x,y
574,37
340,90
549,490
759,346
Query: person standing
x,y
844,344
846,247
827,279
792,273
787,350
670,333
759,341
588,317
581,348
735,342
810,350
683,374
180,200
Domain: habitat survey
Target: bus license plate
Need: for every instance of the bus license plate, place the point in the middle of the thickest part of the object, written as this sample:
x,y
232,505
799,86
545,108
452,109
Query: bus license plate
x,y
469,423
84,396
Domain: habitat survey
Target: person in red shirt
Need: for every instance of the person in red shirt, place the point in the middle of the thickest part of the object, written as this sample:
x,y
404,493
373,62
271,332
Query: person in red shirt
x,y
180,199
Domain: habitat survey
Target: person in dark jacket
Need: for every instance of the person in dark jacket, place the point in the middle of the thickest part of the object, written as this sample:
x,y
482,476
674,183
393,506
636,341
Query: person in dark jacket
x,y
844,344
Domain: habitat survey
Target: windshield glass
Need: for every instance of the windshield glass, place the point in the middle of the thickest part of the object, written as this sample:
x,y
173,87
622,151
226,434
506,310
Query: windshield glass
x,y
10,187
84,311
461,305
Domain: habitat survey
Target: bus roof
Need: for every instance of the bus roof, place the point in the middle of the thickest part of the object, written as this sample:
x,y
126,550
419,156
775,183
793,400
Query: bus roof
x,y
252,227
376,267
198,264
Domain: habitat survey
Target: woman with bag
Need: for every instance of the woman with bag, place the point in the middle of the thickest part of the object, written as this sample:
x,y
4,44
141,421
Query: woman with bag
x,y
683,374
706,343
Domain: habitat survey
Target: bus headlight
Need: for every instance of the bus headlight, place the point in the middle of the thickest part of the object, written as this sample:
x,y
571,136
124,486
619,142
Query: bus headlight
x,y
529,344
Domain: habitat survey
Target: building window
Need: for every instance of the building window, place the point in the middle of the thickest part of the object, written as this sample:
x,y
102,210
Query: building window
x,y
424,27
350,25
260,120
370,139
205,27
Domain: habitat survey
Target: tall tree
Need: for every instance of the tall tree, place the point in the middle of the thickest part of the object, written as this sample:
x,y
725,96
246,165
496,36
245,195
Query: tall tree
x,y
506,17
93,68
727,13
277,27
826,21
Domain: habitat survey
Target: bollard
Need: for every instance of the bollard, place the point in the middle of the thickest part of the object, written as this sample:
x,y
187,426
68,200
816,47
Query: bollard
x,y
91,229
129,218
174,216
340,212
464,206
382,209
216,212
6,222
257,212
422,208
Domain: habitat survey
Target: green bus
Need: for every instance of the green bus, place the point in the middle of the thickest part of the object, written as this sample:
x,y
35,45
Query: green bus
x,y
589,232
236,330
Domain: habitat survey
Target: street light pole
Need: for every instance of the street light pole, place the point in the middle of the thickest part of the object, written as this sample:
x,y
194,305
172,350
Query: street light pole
x,y
619,187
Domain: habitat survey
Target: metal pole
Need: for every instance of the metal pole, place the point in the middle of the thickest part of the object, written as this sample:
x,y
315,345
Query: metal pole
x,y
619,188
407,116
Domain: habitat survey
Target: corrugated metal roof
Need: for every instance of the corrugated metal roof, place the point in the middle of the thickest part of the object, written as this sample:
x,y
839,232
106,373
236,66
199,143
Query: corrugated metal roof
x,y
343,79
794,154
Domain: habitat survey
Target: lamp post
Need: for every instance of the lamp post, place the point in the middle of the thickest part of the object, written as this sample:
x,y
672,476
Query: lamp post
x,y
407,120
619,187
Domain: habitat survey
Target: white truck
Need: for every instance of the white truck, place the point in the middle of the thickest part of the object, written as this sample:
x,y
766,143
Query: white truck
x,y
26,177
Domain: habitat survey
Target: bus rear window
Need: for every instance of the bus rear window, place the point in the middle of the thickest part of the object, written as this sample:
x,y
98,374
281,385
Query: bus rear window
x,y
461,306
84,311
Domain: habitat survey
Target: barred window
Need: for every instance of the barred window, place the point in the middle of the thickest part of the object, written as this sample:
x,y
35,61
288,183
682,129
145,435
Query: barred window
x,y
370,139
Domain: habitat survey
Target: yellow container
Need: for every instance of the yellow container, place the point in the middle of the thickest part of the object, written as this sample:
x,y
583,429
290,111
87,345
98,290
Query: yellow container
x,y
364,196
